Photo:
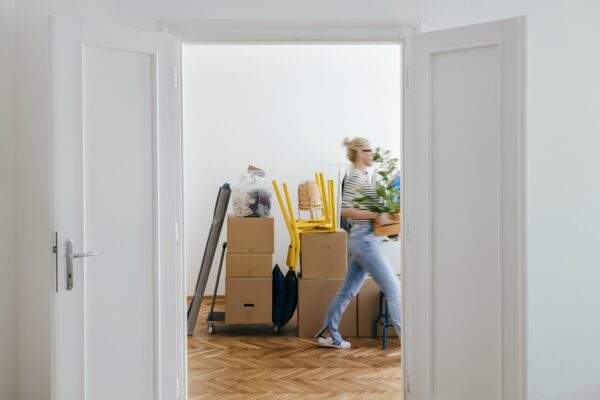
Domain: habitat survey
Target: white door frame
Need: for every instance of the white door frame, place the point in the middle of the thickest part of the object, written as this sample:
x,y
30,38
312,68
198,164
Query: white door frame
x,y
295,32
286,31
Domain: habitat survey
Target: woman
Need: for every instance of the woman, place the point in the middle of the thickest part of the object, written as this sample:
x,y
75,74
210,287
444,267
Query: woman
x,y
365,252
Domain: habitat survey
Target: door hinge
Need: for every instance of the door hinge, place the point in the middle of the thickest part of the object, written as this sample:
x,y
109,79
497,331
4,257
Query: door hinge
x,y
178,387
55,251
408,387
177,233
176,77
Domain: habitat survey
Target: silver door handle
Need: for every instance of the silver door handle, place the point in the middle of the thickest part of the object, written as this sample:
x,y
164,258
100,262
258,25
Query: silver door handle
x,y
88,254
70,256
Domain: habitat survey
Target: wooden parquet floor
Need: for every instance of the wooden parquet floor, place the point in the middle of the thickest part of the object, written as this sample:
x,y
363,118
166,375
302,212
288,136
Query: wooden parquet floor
x,y
251,363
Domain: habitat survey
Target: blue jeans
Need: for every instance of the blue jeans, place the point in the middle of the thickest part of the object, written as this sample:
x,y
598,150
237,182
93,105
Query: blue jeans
x,y
366,258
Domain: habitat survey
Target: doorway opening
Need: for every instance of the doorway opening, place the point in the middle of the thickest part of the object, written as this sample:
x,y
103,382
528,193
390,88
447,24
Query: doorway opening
x,y
285,108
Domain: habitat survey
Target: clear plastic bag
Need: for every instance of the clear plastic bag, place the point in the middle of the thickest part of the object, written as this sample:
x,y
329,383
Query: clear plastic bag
x,y
251,201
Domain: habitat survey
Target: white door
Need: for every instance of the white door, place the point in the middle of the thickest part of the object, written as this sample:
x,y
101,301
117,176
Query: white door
x,y
118,329
464,213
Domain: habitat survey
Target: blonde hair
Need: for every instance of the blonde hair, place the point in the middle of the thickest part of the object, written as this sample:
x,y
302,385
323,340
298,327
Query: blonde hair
x,y
354,145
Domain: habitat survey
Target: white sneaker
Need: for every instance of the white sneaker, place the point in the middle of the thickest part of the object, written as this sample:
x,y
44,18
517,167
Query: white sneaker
x,y
328,342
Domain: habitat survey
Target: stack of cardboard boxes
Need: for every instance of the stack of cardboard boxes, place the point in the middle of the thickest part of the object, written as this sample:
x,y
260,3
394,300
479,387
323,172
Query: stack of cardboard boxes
x,y
323,266
248,287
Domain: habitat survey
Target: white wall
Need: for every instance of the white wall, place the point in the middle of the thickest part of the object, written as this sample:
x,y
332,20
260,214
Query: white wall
x,y
8,262
33,134
563,192
146,13
285,108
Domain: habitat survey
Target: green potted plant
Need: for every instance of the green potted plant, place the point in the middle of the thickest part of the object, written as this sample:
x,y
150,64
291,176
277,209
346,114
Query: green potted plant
x,y
386,184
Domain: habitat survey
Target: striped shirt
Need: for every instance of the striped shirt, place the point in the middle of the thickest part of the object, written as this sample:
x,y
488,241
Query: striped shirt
x,y
356,184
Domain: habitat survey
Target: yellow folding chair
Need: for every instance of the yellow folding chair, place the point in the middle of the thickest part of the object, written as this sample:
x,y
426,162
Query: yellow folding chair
x,y
291,255
295,227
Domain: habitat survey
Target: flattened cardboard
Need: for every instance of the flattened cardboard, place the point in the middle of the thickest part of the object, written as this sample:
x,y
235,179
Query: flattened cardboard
x,y
314,296
250,235
249,265
367,305
248,301
323,255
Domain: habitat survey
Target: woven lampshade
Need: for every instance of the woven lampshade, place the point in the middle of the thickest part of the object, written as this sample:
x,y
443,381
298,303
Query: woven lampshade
x,y
309,196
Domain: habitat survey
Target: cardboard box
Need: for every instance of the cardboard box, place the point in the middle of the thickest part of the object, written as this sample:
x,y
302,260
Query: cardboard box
x,y
248,301
250,235
368,304
314,297
249,266
323,255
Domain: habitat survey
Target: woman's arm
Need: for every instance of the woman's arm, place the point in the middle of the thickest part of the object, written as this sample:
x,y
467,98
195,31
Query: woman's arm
x,y
355,213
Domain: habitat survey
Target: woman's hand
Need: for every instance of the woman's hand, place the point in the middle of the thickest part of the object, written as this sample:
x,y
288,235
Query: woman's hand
x,y
383,219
